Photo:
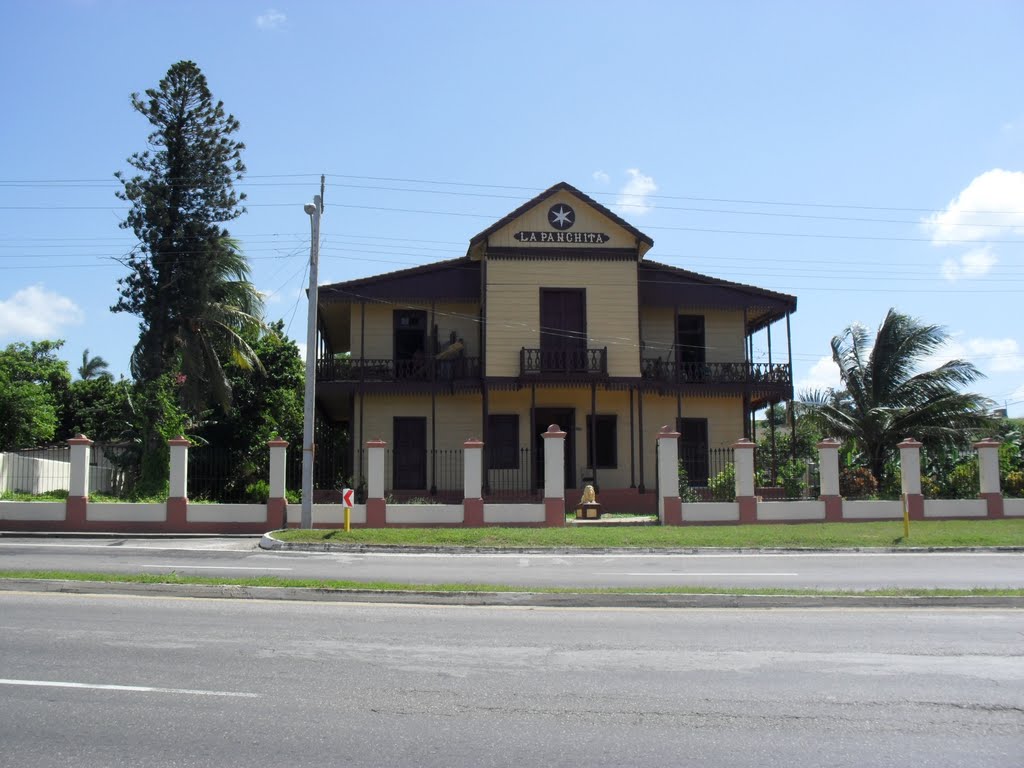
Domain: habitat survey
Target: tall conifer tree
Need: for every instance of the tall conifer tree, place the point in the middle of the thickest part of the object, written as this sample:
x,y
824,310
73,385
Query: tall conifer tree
x,y
188,282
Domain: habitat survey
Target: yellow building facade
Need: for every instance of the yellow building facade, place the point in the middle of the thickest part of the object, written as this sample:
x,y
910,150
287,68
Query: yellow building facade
x,y
554,315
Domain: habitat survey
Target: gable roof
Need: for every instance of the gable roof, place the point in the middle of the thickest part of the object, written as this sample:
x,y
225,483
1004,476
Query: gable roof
x,y
665,285
452,280
559,187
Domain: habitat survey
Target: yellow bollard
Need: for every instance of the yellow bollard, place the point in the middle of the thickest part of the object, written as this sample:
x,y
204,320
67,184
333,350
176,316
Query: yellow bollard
x,y
906,518
348,515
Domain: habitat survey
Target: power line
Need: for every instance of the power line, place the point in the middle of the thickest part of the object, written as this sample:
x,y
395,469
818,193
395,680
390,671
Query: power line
x,y
173,181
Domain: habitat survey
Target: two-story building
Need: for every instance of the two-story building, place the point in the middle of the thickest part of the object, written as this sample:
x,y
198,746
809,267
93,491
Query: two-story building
x,y
553,316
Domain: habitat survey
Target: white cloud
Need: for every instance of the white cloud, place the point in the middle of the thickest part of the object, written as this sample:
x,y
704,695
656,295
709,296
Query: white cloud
x,y
632,200
995,355
992,205
974,263
824,374
271,19
988,355
601,177
35,313
1015,403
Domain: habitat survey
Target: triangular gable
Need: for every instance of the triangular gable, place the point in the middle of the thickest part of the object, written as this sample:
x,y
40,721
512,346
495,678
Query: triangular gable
x,y
562,217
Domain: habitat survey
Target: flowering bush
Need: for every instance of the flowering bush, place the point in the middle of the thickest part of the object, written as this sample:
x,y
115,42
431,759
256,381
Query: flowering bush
x,y
1013,484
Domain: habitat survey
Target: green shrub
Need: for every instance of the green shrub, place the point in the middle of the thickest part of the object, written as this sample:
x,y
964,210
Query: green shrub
x,y
930,488
791,477
686,493
257,492
960,482
723,485
892,486
1013,484
857,483
57,495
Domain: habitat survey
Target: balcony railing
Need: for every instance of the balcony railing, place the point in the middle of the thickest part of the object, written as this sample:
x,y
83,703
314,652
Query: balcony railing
x,y
715,373
383,369
566,361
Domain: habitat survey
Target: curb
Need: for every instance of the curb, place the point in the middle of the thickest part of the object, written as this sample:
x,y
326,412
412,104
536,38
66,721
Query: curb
x,y
503,599
270,543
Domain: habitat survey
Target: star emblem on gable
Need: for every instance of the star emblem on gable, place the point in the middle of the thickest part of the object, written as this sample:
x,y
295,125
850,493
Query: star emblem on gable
x,y
561,216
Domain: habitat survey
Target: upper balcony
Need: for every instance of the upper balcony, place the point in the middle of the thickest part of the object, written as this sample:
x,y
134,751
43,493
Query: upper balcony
x,y
424,369
564,363
669,372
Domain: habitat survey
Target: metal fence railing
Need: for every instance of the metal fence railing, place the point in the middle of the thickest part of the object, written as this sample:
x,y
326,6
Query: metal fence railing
x,y
36,472
516,482
219,476
949,473
47,471
702,465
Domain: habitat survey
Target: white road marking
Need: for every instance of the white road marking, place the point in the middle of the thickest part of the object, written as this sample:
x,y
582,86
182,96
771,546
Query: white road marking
x,y
690,573
211,567
129,688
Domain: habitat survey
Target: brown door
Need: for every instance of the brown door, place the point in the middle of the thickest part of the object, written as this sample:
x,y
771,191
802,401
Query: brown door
x,y
409,470
693,449
563,330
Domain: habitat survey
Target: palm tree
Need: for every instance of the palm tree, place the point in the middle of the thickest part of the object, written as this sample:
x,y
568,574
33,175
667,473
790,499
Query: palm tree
x,y
884,399
93,367
212,326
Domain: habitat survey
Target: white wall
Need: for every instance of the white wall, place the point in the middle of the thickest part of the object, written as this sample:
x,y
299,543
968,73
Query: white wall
x,y
328,514
791,510
868,510
110,512
1013,507
423,514
514,513
25,474
32,510
955,508
711,511
226,513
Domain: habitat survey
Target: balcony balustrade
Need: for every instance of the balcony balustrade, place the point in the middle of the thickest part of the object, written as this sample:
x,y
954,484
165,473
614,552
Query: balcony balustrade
x,y
715,373
387,370
563,362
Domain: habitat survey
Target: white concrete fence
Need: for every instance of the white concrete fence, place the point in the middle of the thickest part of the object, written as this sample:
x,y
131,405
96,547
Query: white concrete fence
x,y
830,506
176,514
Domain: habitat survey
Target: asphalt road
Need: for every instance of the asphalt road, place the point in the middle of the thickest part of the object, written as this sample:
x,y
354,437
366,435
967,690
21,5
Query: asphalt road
x,y
117,681
242,557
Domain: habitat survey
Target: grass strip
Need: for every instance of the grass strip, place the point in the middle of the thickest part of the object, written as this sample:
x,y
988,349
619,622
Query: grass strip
x,y
923,533
384,586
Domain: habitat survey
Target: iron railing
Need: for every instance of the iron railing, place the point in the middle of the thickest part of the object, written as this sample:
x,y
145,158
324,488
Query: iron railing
x,y
47,471
516,482
704,464
588,362
714,373
385,369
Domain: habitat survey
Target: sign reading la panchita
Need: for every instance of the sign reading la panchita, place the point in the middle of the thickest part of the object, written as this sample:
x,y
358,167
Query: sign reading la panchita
x,y
561,217
561,237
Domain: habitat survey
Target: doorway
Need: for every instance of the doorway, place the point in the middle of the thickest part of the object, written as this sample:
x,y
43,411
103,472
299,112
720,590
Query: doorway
x,y
409,468
563,330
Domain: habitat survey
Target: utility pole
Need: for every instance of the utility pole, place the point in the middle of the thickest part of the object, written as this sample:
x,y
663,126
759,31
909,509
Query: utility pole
x,y
308,446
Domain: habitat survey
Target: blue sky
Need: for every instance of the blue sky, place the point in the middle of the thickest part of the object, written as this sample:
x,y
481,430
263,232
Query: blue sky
x,y
858,155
